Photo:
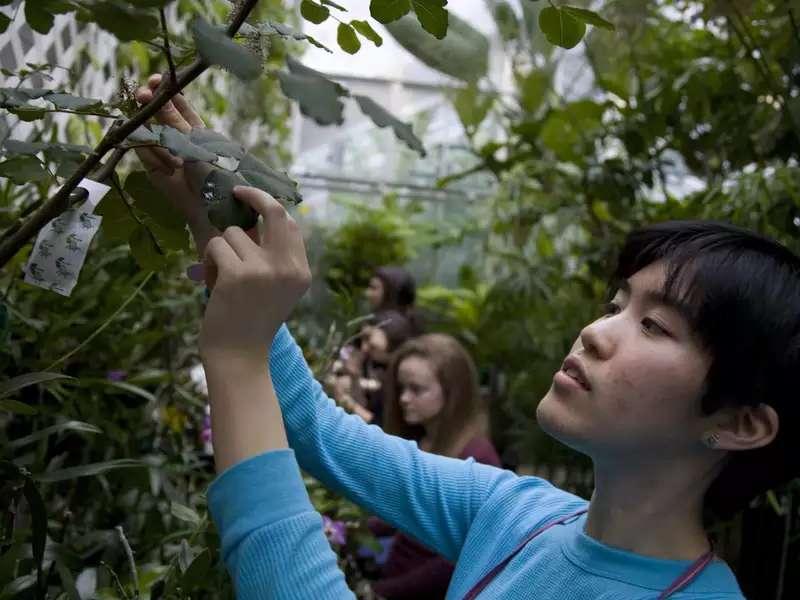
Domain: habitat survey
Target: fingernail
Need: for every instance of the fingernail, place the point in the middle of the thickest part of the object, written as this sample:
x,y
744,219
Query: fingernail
x,y
196,272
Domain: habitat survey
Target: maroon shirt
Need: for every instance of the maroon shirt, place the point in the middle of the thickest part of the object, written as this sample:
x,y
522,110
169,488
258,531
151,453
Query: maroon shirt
x,y
412,571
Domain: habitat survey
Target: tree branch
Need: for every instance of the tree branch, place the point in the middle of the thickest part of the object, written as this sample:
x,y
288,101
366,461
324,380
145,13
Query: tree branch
x,y
59,202
173,76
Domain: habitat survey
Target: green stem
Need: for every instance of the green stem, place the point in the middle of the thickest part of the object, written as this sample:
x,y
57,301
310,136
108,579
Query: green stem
x,y
105,324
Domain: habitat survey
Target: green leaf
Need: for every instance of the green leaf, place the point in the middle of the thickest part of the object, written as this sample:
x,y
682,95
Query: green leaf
x,y
347,38
533,89
38,17
382,118
143,135
386,11
29,113
223,208
561,28
118,222
126,22
184,513
463,54
216,142
88,470
19,408
41,434
69,102
196,573
216,48
38,529
313,12
333,5
264,177
472,107
144,249
150,201
126,387
23,169
18,585
181,145
506,20
317,95
589,17
365,29
5,21
17,383
432,15
287,32
20,147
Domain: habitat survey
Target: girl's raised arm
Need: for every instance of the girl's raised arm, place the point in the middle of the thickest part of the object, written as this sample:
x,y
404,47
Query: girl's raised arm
x,y
432,498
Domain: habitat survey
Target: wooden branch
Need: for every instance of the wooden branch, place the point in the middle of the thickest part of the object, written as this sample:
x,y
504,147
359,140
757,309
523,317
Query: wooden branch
x,y
59,202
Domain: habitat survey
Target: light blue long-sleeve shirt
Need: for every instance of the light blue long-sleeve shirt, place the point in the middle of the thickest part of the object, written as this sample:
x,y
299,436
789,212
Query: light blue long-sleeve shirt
x,y
475,515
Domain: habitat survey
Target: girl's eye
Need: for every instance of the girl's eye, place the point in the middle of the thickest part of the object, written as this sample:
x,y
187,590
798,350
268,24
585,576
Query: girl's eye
x,y
611,308
650,326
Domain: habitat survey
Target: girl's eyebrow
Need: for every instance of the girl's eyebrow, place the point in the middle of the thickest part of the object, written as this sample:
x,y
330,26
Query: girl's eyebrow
x,y
659,298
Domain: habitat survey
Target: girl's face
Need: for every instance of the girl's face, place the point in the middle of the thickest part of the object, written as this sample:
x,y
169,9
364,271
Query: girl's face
x,y
374,293
643,372
375,344
421,395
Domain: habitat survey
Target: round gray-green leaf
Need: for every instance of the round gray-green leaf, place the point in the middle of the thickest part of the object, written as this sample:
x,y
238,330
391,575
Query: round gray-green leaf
x,y
224,210
216,48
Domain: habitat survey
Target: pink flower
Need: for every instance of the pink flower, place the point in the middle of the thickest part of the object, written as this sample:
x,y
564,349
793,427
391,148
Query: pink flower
x,y
335,531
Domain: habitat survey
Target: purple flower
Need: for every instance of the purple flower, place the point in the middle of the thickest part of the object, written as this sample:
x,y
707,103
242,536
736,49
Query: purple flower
x,y
116,375
335,531
205,430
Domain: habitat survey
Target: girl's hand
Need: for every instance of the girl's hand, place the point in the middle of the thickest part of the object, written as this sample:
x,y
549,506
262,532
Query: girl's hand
x,y
255,284
180,181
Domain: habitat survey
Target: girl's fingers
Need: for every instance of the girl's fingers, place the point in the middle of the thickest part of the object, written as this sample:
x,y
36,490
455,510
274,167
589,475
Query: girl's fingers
x,y
219,259
240,242
186,110
273,227
158,161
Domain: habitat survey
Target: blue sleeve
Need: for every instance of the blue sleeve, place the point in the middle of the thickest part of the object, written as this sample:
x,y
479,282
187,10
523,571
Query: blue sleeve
x,y
434,499
273,542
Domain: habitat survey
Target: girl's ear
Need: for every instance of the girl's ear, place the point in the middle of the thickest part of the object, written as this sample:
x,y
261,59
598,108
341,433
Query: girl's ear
x,y
745,427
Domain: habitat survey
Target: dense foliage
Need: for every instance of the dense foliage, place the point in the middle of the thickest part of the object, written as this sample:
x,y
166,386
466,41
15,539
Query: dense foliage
x,y
690,109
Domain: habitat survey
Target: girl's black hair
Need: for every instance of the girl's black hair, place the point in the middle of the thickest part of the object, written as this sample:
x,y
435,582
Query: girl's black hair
x,y
399,287
742,295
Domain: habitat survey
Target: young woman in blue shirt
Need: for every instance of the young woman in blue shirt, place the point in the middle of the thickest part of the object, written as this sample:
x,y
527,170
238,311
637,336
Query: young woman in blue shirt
x,y
682,393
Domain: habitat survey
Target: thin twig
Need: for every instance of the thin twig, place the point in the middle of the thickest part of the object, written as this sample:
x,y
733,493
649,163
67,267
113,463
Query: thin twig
x,y
59,202
173,76
108,322
131,561
116,579
116,186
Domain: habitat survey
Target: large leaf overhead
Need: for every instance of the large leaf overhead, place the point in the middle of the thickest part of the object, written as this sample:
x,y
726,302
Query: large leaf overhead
x,y
463,53
382,118
216,48
386,11
317,95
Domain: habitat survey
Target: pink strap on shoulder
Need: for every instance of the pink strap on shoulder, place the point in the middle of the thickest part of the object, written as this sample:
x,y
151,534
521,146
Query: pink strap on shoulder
x,y
486,579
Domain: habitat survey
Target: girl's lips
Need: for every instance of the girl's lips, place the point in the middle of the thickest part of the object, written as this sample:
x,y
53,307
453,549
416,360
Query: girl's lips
x,y
562,379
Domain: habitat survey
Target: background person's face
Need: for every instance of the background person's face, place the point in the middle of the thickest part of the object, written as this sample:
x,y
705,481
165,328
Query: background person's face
x,y
421,395
374,293
646,373
375,343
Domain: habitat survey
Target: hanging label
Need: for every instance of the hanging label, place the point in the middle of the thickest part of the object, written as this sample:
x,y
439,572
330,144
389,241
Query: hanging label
x,y
61,246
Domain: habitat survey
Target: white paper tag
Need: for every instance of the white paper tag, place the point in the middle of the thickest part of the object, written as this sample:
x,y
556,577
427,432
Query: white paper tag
x,y
61,246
